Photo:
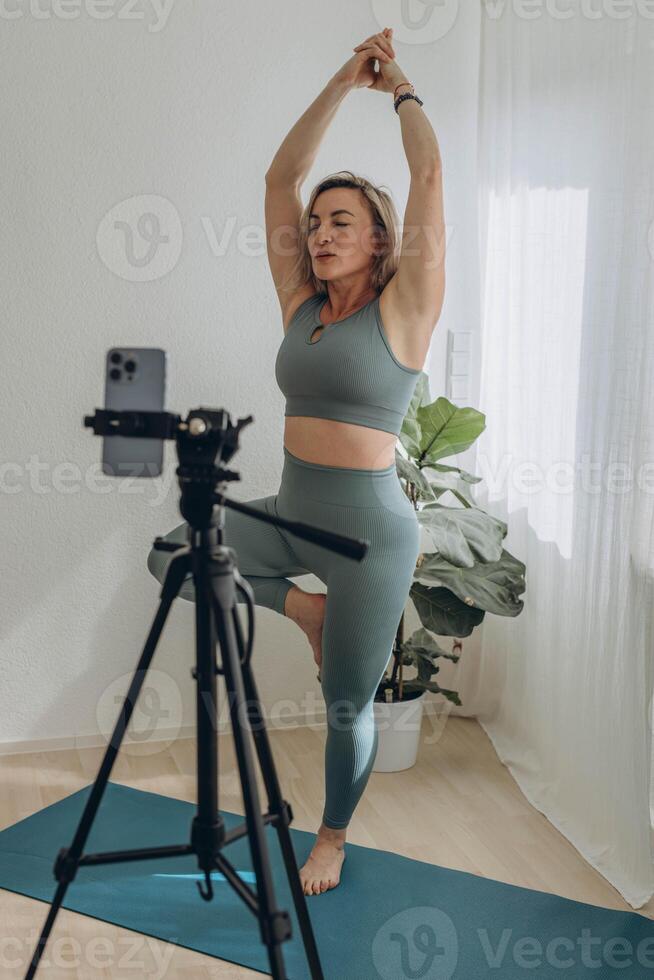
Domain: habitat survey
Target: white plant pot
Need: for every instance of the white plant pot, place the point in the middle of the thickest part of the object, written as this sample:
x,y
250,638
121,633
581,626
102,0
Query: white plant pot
x,y
398,731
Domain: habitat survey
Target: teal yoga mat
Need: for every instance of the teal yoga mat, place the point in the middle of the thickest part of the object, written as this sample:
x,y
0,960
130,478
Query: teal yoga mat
x,y
391,917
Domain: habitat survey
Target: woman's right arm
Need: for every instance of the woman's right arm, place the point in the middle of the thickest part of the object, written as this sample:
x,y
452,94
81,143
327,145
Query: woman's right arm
x,y
284,178
295,158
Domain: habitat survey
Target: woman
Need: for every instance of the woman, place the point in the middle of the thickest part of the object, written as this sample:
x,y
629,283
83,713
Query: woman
x,y
358,316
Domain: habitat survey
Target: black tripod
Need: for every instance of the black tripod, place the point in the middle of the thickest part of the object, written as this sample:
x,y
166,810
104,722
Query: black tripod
x,y
205,435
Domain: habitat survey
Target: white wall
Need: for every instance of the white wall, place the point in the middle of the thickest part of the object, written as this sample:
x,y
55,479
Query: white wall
x,y
189,105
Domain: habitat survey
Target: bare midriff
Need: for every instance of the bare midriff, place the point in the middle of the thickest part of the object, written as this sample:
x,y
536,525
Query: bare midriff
x,y
333,443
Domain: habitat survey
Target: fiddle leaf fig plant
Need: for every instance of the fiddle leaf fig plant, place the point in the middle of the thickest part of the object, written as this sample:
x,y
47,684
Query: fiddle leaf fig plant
x,y
466,571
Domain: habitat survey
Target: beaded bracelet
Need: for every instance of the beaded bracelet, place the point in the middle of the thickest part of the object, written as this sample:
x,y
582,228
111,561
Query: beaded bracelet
x,y
406,95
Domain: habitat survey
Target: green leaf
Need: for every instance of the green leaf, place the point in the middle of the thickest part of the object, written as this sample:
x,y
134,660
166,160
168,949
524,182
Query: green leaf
x,y
420,651
410,434
450,478
446,429
442,612
463,535
442,468
492,586
451,484
415,685
421,642
421,639
408,470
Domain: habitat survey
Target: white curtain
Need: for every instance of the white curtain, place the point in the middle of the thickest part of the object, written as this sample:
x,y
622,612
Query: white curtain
x,y
566,196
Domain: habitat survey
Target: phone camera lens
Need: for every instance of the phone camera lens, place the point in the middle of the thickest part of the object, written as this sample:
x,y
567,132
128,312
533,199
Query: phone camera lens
x,y
130,366
116,357
114,374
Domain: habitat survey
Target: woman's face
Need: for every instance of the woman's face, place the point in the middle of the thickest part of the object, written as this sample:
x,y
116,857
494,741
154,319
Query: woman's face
x,y
341,223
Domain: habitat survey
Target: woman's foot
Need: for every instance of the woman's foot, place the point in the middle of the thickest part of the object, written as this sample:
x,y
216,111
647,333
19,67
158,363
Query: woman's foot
x,y
307,609
322,869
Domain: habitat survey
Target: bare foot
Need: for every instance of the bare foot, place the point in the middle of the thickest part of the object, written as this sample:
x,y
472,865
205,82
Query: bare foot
x,y
322,869
307,609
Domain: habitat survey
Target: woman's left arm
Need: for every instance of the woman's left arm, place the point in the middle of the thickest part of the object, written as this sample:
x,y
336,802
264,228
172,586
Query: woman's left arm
x,y
418,286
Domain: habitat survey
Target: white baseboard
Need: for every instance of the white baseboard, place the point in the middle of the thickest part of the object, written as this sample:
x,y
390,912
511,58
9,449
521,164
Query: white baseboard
x,y
171,734
433,705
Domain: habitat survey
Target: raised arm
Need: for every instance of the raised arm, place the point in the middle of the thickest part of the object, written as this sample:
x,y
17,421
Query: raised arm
x,y
417,289
295,158
285,176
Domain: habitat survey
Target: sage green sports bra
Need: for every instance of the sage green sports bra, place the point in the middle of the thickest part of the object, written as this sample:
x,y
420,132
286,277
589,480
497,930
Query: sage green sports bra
x,y
349,373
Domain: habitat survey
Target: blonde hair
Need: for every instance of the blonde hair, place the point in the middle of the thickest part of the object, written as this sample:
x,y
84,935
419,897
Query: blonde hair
x,y
385,222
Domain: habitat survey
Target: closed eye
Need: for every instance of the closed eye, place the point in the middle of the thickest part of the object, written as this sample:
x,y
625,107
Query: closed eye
x,y
341,224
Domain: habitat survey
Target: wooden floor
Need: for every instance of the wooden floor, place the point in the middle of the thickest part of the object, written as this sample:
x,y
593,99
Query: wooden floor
x,y
458,807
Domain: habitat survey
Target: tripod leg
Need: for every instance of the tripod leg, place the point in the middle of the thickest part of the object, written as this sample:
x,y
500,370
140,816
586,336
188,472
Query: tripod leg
x,y
274,923
45,932
277,804
207,828
68,858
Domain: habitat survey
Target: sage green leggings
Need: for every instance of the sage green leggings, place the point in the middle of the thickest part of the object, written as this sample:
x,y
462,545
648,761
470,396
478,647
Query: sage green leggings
x,y
365,599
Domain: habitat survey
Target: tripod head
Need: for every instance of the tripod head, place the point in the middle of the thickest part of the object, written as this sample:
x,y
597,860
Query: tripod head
x,y
205,436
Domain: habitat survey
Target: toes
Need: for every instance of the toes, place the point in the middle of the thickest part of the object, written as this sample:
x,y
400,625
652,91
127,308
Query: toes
x,y
312,885
317,886
306,884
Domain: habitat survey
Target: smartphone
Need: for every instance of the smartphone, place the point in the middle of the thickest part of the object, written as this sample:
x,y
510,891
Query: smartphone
x,y
135,378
